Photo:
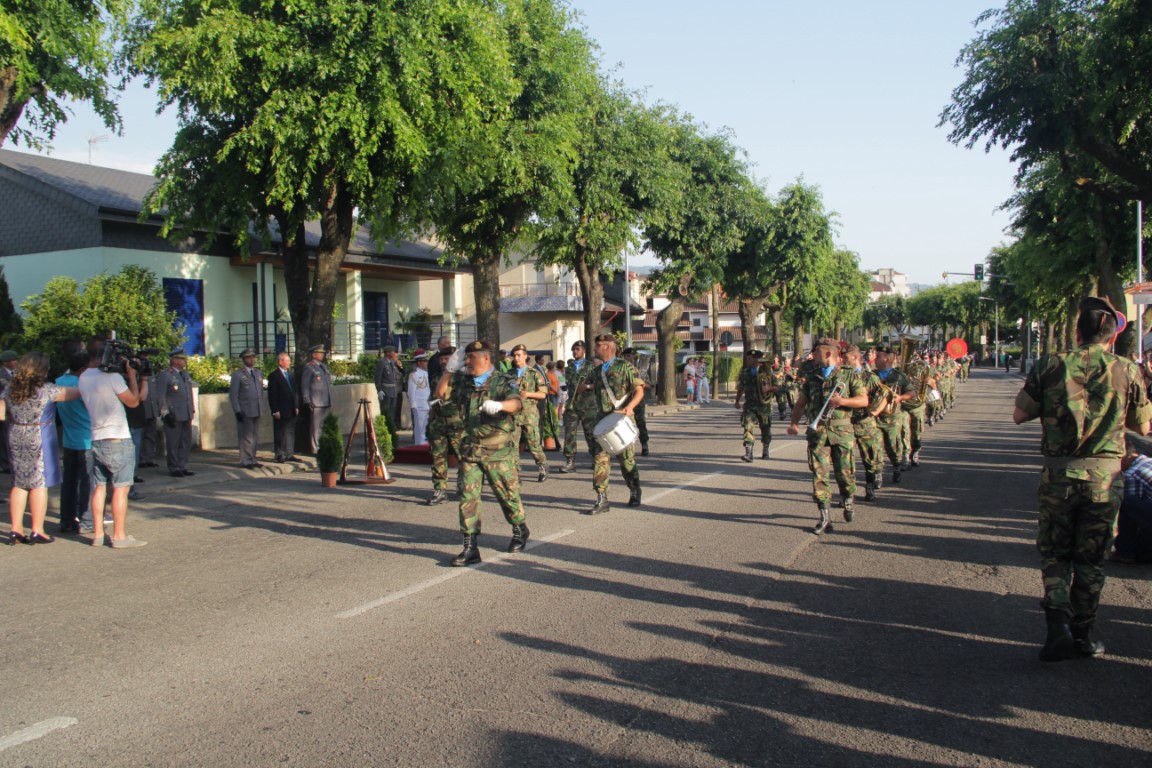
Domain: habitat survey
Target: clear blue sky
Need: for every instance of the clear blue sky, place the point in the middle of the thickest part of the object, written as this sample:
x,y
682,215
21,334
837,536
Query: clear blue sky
x,y
844,93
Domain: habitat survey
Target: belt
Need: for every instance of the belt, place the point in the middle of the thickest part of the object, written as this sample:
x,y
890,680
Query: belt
x,y
1102,463
842,420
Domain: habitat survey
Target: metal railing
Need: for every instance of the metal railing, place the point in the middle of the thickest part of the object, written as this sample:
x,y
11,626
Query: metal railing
x,y
538,290
349,339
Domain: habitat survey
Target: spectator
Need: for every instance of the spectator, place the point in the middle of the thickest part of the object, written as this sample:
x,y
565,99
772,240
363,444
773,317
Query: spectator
x,y
282,404
7,364
28,404
112,459
1134,525
76,445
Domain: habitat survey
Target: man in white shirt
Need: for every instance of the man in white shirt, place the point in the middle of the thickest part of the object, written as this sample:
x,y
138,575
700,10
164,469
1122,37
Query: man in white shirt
x,y
418,391
113,456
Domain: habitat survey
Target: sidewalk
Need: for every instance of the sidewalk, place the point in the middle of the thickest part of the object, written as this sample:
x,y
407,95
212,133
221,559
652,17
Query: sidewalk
x,y
212,468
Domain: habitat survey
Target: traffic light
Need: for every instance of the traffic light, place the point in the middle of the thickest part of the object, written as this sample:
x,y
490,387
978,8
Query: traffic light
x,y
978,273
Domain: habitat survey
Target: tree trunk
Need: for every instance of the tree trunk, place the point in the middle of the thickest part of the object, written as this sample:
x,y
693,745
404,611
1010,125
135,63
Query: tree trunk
x,y
749,309
798,336
592,292
10,111
666,321
776,322
486,291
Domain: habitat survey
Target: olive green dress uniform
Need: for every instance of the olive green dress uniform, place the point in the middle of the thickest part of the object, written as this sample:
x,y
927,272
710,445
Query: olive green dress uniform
x,y
1081,484
830,447
622,377
489,449
757,411
528,420
893,422
867,432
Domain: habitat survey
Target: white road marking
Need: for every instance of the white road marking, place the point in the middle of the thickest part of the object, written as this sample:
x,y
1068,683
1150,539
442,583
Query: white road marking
x,y
452,574
33,732
668,491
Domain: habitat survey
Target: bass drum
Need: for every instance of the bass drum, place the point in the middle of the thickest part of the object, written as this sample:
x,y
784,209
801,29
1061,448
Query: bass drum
x,y
616,433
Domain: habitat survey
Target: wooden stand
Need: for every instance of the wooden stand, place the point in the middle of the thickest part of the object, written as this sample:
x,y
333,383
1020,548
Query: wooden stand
x,y
375,471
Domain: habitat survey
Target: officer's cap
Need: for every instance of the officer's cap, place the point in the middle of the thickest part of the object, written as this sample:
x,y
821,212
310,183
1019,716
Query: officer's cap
x,y
249,352
387,348
315,348
421,356
178,354
480,345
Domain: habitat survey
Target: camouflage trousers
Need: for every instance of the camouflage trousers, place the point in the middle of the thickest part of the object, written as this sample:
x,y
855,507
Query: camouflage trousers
x,y
785,399
529,431
602,461
501,467
892,433
871,445
640,416
754,416
1074,537
573,425
442,438
914,436
829,450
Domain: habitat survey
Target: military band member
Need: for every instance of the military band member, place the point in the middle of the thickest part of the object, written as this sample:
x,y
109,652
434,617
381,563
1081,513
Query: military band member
x,y
616,387
488,401
891,419
755,386
245,394
836,390
316,394
533,390
919,372
580,401
177,407
641,410
864,425
445,431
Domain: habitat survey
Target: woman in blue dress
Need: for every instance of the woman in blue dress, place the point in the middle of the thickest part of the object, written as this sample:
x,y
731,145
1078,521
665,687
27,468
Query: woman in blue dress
x,y
29,406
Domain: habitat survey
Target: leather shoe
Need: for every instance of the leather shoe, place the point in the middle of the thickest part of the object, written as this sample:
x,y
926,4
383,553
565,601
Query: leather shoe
x,y
177,473
187,473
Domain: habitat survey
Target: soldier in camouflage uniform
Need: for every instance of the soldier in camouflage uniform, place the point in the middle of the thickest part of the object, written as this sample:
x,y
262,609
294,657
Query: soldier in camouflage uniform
x,y
919,372
533,390
756,386
864,425
892,421
1084,398
780,381
641,411
487,401
445,431
829,441
617,386
580,401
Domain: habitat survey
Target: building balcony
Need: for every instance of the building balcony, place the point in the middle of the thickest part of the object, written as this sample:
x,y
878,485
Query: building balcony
x,y
541,297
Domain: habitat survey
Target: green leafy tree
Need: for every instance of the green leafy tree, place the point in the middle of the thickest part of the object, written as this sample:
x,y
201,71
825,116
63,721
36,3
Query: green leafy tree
x,y
53,52
130,302
11,326
299,111
521,164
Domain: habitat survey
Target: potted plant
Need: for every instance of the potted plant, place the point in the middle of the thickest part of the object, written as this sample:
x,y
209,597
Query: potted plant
x,y
330,451
282,323
416,327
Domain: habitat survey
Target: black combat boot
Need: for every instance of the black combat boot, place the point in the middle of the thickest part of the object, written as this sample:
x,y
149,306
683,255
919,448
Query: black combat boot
x,y
869,491
896,472
470,554
519,538
438,497
569,466
914,460
825,524
634,494
1059,644
542,469
643,449
764,451
747,454
1082,639
849,510
601,505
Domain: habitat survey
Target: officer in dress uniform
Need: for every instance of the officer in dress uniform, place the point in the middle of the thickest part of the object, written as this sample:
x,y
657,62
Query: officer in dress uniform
x,y
418,397
245,392
616,387
316,394
177,407
389,378
488,401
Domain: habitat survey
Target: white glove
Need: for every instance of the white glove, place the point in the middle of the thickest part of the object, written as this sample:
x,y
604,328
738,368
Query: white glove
x,y
455,361
492,407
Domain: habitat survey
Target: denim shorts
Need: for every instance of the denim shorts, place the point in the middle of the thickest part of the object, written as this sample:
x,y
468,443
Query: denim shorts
x,y
112,461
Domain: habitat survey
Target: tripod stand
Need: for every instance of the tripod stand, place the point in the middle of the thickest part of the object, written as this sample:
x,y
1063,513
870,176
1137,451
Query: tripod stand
x,y
375,471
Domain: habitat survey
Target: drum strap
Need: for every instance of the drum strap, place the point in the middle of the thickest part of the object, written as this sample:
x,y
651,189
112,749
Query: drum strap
x,y
616,403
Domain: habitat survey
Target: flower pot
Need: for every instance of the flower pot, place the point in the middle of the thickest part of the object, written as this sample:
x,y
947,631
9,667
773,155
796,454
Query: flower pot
x,y
550,444
328,479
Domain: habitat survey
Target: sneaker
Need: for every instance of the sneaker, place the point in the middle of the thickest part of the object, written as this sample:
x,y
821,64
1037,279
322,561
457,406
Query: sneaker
x,y
108,520
127,543
135,495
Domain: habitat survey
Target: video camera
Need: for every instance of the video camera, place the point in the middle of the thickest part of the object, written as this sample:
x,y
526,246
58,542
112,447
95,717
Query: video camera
x,y
117,355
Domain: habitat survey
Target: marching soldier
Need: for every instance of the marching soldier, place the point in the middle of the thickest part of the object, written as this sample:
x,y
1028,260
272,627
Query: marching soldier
x,y
920,375
445,432
533,390
864,425
580,402
756,388
890,419
641,409
245,392
616,387
487,401
829,394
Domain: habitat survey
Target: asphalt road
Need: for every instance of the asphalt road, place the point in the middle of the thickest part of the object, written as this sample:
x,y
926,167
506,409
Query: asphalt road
x,y
271,622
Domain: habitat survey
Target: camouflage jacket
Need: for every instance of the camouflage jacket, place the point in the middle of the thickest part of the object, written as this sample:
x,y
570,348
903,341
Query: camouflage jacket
x,y
899,384
748,385
530,381
916,371
446,409
467,397
622,377
580,402
1085,398
817,389
876,394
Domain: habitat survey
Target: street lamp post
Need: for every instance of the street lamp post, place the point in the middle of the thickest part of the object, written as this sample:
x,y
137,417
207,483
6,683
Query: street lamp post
x,y
996,319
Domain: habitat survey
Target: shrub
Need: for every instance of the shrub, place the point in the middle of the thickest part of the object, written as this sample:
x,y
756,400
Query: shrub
x,y
211,372
330,449
384,438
